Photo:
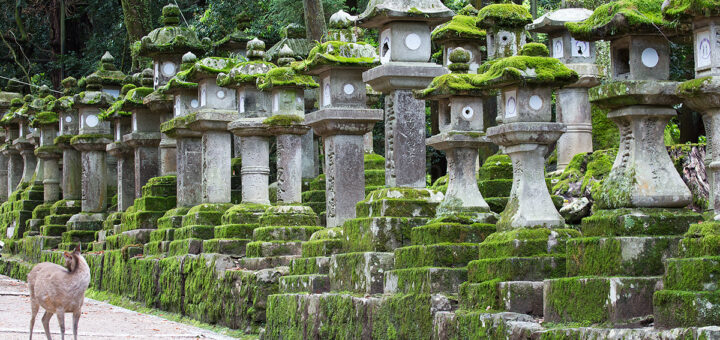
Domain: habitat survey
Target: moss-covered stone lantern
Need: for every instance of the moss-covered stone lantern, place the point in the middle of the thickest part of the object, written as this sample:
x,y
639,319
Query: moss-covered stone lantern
x,y
15,161
505,26
573,107
286,89
462,31
254,106
404,51
526,132
93,136
343,118
6,98
112,78
462,133
47,124
68,128
292,35
30,137
218,107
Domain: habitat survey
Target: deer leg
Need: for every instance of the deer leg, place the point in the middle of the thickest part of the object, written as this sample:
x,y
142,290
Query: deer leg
x,y
35,307
46,324
61,320
76,320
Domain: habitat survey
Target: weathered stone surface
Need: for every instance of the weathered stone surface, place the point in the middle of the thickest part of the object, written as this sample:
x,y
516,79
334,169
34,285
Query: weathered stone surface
x,y
359,272
425,280
576,210
631,256
311,283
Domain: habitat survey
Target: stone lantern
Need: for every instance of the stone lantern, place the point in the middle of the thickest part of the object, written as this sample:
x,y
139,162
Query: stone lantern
x,y
286,89
120,122
703,93
294,36
93,136
144,134
186,101
505,26
254,106
404,52
166,45
68,128
24,142
6,97
236,41
218,107
112,78
47,123
573,106
526,132
462,133
343,118
462,31
15,161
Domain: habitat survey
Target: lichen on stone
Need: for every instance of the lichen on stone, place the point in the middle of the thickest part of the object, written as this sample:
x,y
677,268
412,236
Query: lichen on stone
x,y
692,88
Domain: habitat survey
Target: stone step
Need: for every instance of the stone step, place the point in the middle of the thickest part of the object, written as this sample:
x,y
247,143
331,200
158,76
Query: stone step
x,y
620,256
30,233
436,255
524,297
289,215
158,235
599,299
322,248
313,196
495,187
104,234
360,272
638,222
310,265
74,236
137,236
380,233
141,220
674,308
98,246
451,232
27,205
54,230
70,246
154,203
84,225
260,263
226,246
425,280
206,214
235,231
156,248
185,246
399,207
317,207
301,233
693,274
273,248
245,213
311,283
526,242
203,232
374,161
173,218
58,219
67,207
374,177
34,224
516,269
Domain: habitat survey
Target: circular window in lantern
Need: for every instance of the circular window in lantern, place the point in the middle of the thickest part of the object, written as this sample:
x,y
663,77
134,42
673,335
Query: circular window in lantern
x,y
68,119
536,102
168,69
220,94
650,57
348,89
412,41
468,113
92,121
194,103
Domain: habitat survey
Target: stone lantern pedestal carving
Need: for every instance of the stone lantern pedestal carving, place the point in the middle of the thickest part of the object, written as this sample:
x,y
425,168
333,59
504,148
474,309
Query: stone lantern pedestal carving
x,y
573,105
342,120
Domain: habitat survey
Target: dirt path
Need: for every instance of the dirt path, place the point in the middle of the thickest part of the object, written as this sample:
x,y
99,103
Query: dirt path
x,y
99,320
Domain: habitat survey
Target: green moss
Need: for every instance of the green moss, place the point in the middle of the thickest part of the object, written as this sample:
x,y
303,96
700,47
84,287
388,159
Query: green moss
x,y
605,133
436,255
460,27
608,256
210,67
639,221
578,299
621,17
283,120
535,50
673,308
245,73
48,149
89,138
339,53
45,118
503,15
687,9
63,139
692,88
403,316
615,191
285,76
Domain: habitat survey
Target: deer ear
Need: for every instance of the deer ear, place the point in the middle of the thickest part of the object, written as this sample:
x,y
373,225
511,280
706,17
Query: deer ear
x,y
77,249
66,254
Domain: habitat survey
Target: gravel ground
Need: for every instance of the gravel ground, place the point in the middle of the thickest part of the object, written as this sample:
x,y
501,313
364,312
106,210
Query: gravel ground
x,y
99,320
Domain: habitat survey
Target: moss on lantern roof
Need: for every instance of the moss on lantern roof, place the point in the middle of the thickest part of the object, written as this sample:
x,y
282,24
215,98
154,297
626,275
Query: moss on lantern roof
x,y
525,70
45,118
122,107
7,97
210,67
237,38
285,76
687,9
622,17
379,12
452,84
170,39
110,77
340,53
460,27
245,73
95,98
283,120
503,15
300,46
61,104
693,87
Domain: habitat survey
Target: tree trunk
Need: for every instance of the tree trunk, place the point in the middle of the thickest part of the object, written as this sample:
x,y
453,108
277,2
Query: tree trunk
x,y
314,19
137,21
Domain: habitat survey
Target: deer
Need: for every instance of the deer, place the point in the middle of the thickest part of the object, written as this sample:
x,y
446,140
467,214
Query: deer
x,y
59,290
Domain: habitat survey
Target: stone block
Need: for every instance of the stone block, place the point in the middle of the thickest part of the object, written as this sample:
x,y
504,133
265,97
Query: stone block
x,y
57,219
161,190
244,214
636,222
203,232
359,272
310,265
516,268
312,283
495,187
702,239
313,196
273,248
173,218
526,242
138,236
436,255
185,246
75,236
259,263
154,203
599,299
479,296
673,308
66,207
379,233
154,248
162,235
693,274
235,230
451,232
620,256
235,247
141,220
322,248
291,233
206,214
425,280
54,230
289,215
